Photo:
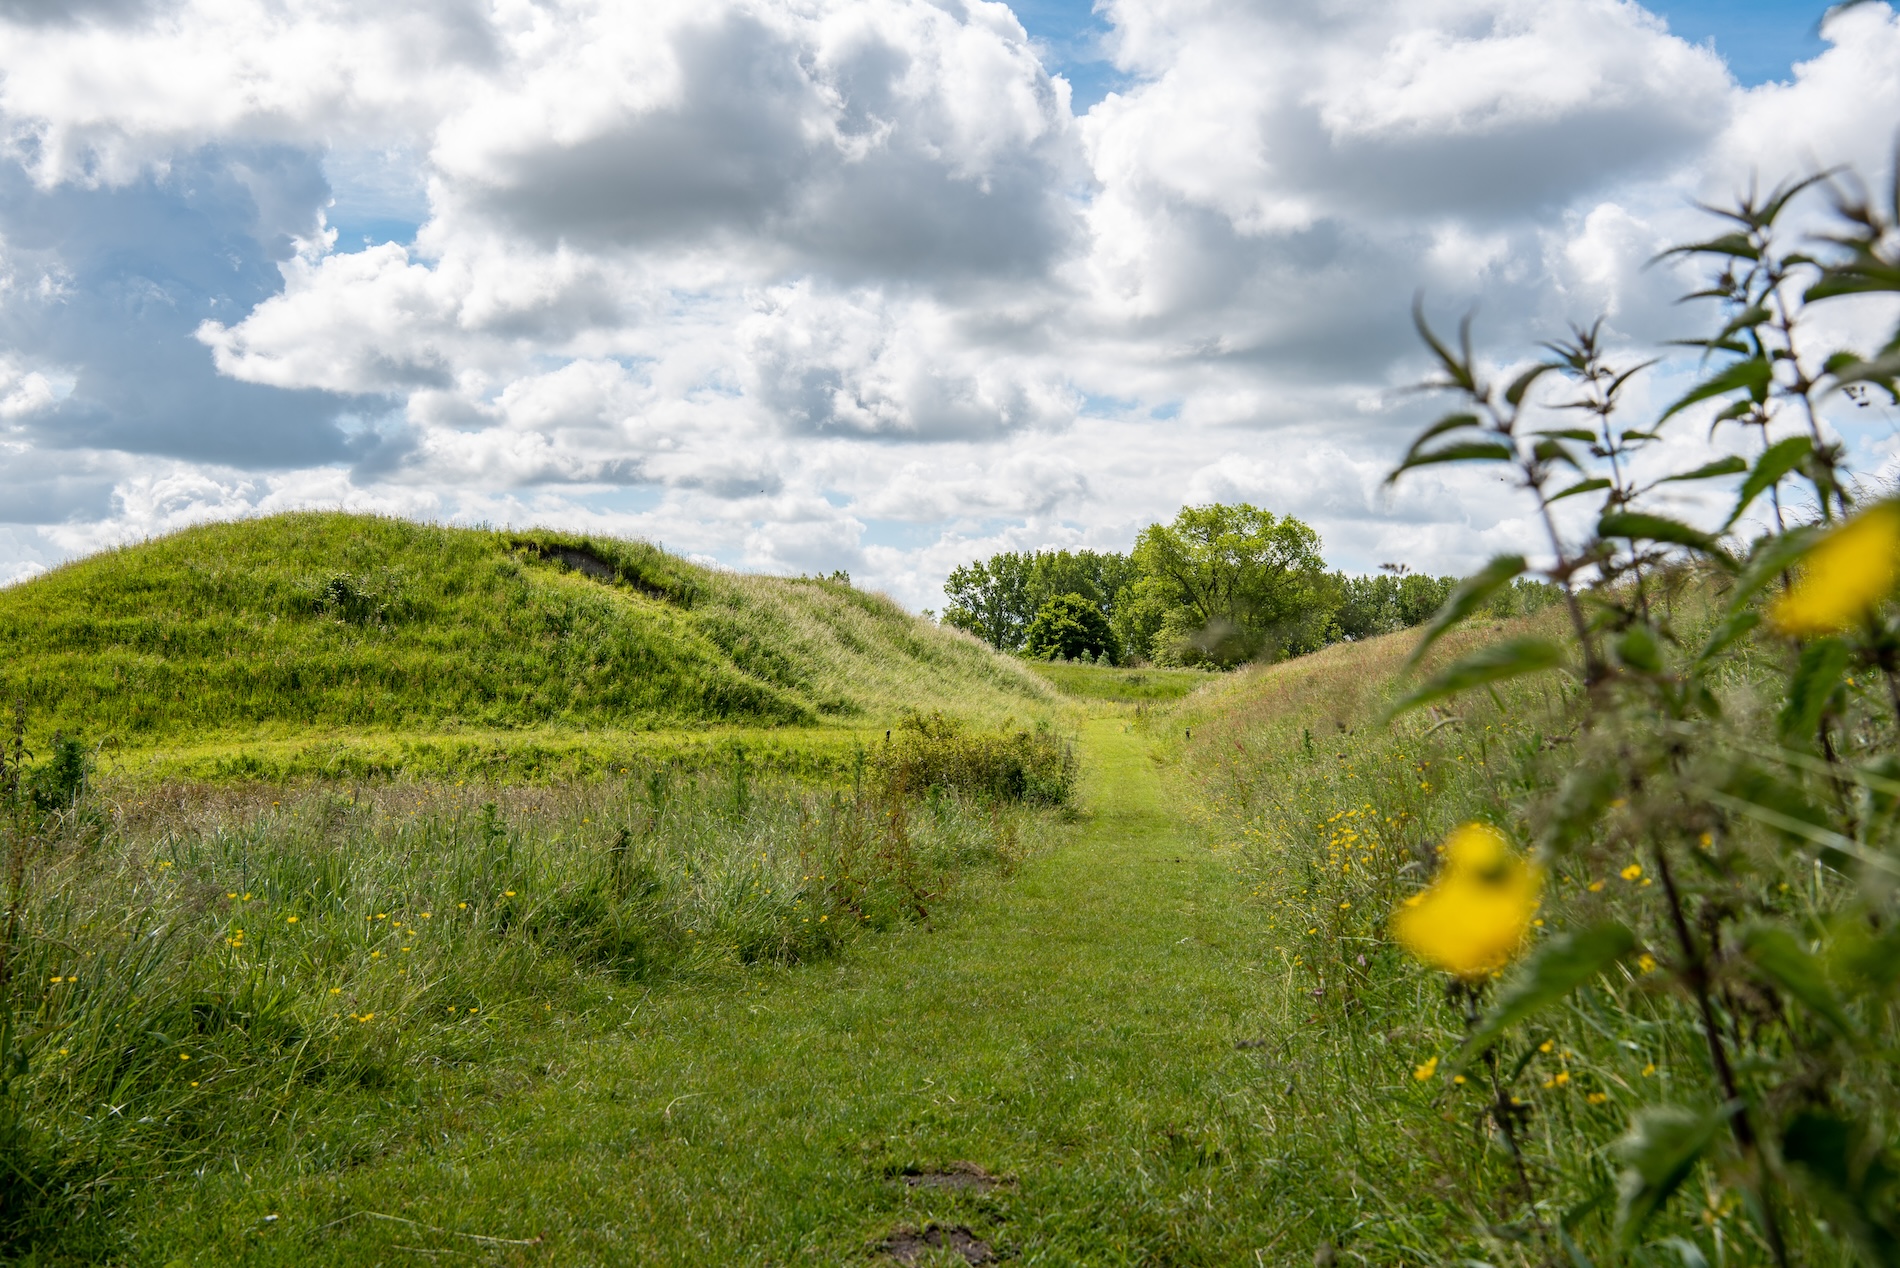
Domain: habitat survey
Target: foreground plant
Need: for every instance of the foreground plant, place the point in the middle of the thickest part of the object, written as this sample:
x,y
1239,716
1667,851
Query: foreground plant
x,y
1712,812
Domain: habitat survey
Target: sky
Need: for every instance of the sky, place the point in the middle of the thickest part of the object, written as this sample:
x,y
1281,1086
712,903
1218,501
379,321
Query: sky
x,y
874,285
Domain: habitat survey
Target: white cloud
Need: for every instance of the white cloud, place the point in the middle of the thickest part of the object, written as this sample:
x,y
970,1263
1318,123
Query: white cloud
x,y
805,284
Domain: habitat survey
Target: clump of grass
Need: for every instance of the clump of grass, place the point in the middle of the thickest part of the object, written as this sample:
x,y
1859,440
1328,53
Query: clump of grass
x,y
206,972
932,751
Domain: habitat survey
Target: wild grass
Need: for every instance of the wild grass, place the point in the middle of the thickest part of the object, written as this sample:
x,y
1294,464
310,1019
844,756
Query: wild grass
x,y
267,629
204,974
1336,819
1110,683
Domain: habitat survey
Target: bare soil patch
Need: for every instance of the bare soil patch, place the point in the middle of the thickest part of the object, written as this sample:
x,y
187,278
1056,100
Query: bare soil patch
x,y
907,1246
958,1175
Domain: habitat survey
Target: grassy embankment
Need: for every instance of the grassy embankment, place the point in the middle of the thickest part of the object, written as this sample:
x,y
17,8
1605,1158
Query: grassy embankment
x,y
348,645
1336,819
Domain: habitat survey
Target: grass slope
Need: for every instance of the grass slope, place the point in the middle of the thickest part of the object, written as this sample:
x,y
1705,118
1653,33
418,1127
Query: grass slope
x,y
283,631
1077,1032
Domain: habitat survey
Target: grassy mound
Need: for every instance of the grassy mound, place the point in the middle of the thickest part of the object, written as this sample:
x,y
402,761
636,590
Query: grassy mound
x,y
283,629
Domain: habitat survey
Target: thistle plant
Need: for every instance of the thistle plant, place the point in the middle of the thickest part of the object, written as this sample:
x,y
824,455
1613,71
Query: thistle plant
x,y
1732,698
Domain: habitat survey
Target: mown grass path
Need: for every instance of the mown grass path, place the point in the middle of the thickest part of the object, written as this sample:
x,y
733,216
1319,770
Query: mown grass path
x,y
1074,1029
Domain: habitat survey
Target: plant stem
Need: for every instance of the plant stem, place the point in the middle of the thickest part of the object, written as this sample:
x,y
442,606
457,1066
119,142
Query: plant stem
x,y
1695,969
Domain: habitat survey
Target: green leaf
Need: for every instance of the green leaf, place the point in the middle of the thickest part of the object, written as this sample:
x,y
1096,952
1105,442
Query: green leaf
x,y
1789,809
1559,967
1457,451
1735,245
1737,624
1855,1184
1881,369
1509,659
1772,556
1450,422
1640,649
1747,319
1816,675
1777,956
1582,486
1641,526
1751,376
1581,800
1775,462
1548,450
1570,433
1662,1147
1467,598
1514,394
1732,465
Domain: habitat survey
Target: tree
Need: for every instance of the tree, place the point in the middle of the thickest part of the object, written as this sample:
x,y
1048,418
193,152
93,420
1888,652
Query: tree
x,y
997,598
1069,626
1224,584
990,599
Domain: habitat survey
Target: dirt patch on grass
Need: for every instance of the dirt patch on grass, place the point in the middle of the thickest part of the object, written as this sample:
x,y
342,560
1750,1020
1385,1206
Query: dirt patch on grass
x,y
908,1247
958,1175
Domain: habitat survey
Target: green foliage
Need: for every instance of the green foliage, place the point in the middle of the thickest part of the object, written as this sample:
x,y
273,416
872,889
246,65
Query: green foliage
x,y
932,751
998,599
1070,627
1226,584
1702,740
305,623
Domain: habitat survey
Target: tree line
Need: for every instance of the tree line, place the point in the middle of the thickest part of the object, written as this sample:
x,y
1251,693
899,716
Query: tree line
x,y
1220,585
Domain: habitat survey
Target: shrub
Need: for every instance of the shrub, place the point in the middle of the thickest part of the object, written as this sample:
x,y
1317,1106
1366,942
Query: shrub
x,y
934,751
1069,627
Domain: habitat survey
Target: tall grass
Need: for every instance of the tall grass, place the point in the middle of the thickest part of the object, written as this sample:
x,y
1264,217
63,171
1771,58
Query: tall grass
x,y
1337,820
200,973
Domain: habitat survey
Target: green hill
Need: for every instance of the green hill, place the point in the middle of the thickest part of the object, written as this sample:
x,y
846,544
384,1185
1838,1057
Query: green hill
x,y
269,638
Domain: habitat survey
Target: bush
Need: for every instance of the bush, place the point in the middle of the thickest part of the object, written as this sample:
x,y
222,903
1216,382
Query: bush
x,y
931,751
1070,627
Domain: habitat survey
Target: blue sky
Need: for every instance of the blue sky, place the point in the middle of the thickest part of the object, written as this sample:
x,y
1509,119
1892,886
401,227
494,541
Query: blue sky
x,y
1759,39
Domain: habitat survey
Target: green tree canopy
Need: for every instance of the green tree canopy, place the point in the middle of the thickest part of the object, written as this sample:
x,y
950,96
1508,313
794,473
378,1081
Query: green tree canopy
x,y
997,598
1069,626
1224,584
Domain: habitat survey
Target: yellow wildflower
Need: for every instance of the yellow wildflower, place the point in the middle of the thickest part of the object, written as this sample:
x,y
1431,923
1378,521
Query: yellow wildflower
x,y
1474,918
1597,1098
1632,872
1426,1070
1646,962
1846,574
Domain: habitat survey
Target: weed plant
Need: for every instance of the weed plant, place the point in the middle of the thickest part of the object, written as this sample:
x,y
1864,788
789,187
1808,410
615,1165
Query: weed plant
x,y
932,751
1692,1060
193,975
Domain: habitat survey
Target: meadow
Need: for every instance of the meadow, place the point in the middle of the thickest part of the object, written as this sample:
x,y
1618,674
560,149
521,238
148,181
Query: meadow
x,y
378,890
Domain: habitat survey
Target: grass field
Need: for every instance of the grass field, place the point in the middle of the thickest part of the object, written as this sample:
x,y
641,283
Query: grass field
x,y
1106,682
1065,1066
775,989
